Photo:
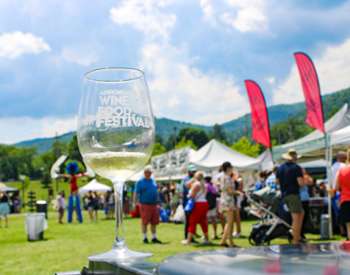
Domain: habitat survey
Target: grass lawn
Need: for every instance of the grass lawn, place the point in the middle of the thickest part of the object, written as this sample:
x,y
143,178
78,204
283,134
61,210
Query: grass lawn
x,y
66,247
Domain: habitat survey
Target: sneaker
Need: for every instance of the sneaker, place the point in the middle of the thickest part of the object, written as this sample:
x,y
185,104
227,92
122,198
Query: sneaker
x,y
145,240
185,242
155,240
236,235
206,242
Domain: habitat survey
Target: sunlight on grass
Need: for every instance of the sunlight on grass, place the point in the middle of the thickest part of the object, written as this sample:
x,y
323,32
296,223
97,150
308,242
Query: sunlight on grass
x,y
66,247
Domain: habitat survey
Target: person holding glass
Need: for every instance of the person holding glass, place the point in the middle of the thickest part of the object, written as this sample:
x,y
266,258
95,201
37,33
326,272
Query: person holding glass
x,y
148,197
227,203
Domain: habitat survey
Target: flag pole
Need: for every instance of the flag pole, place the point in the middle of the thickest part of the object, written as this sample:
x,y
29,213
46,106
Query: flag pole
x,y
315,113
328,156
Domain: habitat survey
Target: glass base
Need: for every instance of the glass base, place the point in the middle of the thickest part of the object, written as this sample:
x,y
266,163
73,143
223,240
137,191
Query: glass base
x,y
119,254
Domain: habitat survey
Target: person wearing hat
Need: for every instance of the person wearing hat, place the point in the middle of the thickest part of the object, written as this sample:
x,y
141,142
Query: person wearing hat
x,y
186,186
147,195
289,176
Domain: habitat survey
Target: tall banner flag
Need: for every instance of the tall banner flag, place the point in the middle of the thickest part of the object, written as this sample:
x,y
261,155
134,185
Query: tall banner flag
x,y
312,92
259,114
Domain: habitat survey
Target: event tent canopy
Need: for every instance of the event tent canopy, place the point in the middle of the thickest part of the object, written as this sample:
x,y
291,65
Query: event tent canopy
x,y
94,185
312,146
341,137
5,188
214,153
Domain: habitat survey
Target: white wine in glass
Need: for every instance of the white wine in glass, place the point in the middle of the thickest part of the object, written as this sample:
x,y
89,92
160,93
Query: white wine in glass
x,y
116,135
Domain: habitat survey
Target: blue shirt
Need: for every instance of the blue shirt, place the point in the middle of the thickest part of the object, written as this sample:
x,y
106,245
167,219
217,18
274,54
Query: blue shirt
x,y
271,182
304,193
259,185
147,191
185,190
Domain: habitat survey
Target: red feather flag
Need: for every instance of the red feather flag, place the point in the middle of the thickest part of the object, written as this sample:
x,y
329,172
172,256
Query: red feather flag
x,y
259,114
312,91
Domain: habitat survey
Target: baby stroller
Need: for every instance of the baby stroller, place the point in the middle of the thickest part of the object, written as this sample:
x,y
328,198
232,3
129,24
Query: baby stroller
x,y
266,204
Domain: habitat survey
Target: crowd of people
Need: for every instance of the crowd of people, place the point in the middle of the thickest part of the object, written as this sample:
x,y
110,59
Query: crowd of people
x,y
218,199
212,200
205,200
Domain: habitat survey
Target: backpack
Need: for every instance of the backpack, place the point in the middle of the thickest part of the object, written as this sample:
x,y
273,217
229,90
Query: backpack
x,y
211,199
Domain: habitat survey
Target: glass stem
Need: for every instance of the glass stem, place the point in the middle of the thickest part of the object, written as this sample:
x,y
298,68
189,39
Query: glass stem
x,y
118,198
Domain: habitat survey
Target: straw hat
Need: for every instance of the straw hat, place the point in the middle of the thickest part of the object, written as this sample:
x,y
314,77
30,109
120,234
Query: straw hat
x,y
291,155
148,168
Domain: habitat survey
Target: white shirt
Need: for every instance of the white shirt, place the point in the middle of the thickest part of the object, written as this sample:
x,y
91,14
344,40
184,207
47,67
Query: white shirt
x,y
335,168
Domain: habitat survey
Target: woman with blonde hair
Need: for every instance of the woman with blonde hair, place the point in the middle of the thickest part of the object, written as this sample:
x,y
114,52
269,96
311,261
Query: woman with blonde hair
x,y
199,212
343,186
227,203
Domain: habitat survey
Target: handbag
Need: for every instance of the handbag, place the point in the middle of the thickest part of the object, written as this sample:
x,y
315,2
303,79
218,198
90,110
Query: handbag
x,y
189,205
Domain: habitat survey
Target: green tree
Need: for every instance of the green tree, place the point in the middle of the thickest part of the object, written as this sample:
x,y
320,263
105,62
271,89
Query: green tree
x,y
158,149
73,150
183,143
15,161
58,148
218,133
290,130
198,136
246,147
171,141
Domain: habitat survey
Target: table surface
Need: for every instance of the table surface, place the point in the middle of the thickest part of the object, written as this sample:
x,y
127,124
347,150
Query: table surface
x,y
324,258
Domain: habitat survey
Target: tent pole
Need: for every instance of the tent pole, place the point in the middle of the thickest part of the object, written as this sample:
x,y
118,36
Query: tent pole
x,y
271,152
329,179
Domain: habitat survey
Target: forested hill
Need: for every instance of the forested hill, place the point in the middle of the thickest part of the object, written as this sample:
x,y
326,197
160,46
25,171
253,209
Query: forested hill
x,y
281,116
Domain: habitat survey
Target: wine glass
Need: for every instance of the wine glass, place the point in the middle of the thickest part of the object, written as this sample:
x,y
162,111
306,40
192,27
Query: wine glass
x,y
116,136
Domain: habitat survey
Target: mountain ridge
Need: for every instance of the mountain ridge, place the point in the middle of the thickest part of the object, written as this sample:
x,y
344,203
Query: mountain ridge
x,y
233,128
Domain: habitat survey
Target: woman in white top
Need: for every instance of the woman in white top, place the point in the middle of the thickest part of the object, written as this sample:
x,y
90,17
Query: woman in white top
x,y
198,215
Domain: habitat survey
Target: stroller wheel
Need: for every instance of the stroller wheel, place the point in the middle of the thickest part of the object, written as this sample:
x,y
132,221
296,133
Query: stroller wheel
x,y
251,241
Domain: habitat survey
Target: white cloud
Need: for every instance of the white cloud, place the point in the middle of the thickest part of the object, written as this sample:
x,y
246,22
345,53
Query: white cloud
x,y
333,68
24,128
81,56
208,10
244,16
181,91
271,80
147,16
15,44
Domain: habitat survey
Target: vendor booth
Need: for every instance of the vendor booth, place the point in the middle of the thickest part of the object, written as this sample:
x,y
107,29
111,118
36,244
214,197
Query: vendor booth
x,y
213,154
94,186
312,146
7,189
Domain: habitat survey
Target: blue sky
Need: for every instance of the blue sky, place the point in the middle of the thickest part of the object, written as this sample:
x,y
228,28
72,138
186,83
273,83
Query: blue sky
x,y
195,53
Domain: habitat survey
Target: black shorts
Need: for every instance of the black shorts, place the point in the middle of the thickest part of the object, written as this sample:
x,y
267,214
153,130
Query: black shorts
x,y
344,216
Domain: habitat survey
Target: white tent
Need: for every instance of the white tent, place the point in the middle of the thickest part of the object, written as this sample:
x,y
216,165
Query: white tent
x,y
94,185
5,188
312,146
341,137
213,154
